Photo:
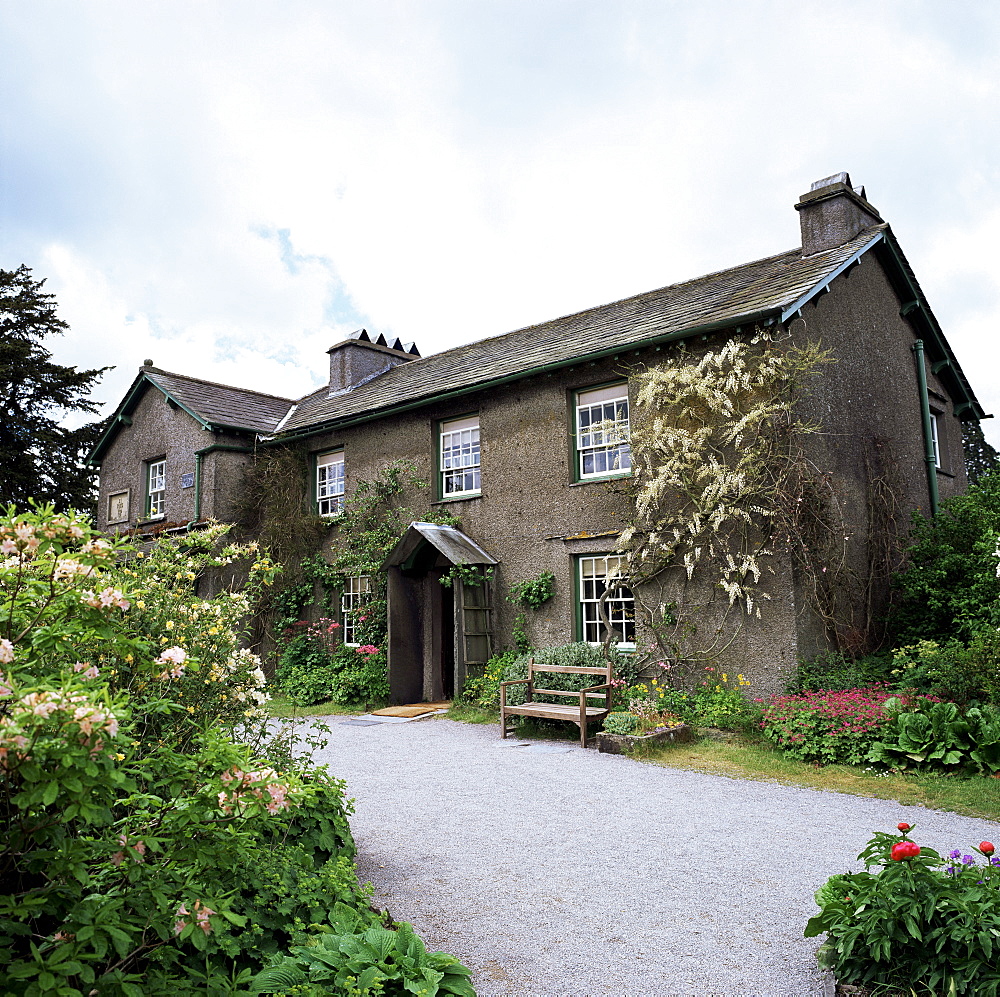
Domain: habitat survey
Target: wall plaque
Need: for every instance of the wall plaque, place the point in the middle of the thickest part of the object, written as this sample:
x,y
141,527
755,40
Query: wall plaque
x,y
187,480
118,507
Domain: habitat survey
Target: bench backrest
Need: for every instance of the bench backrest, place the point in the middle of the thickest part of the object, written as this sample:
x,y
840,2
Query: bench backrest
x,y
601,676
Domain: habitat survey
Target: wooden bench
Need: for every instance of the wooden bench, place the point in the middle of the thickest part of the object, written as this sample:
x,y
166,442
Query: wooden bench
x,y
579,713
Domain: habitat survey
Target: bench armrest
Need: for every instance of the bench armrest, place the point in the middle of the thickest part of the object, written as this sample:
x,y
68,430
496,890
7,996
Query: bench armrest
x,y
595,688
503,689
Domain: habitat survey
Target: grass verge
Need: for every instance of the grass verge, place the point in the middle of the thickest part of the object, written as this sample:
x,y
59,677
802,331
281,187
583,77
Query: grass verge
x,y
282,708
740,758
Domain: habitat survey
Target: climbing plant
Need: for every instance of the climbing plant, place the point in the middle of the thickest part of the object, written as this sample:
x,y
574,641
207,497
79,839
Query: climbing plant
x,y
721,484
533,593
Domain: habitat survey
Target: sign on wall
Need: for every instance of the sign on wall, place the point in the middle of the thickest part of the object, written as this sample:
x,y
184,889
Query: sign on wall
x,y
118,503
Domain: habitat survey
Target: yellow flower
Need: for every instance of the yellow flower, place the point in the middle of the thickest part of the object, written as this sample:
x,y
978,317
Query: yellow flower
x,y
141,604
119,757
170,624
190,709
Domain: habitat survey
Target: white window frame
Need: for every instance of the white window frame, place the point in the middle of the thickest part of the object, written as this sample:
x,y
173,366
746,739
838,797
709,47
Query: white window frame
x,y
593,573
459,458
156,488
935,440
330,470
356,595
603,452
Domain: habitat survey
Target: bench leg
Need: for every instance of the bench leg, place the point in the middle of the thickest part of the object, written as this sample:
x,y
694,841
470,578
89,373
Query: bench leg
x,y
583,735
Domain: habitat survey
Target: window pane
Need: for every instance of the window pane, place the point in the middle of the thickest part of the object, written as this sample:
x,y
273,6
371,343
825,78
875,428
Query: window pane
x,y
356,595
330,483
459,456
595,574
602,431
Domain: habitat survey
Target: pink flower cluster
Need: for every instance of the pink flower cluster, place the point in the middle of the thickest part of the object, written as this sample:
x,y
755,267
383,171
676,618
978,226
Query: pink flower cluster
x,y
245,788
138,847
202,913
848,713
89,671
175,658
368,649
106,599
91,720
26,538
6,651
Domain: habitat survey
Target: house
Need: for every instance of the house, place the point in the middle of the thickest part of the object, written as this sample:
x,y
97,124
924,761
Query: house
x,y
525,438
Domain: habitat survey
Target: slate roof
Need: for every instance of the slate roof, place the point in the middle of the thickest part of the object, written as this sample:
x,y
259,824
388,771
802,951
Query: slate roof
x,y
220,405
753,291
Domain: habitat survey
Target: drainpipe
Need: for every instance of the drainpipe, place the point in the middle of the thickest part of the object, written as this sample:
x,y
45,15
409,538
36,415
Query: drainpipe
x,y
197,486
925,414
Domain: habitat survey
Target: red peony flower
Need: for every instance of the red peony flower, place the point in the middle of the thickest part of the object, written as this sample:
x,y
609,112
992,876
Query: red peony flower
x,y
903,850
904,827
986,847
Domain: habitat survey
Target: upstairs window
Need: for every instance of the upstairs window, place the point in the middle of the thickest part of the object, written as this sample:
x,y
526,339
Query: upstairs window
x,y
596,574
330,483
459,457
156,489
935,440
357,593
602,432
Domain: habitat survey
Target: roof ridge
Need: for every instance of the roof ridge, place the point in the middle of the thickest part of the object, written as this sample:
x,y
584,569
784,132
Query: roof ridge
x,y
217,384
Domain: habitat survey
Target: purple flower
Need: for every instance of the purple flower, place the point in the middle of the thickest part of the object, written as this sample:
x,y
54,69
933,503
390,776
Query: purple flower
x,y
967,860
995,861
955,854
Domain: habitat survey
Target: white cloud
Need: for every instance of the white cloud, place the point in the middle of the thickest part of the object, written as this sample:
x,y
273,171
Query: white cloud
x,y
227,188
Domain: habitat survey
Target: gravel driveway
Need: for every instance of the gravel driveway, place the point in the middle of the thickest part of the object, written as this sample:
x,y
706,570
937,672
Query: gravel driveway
x,y
551,871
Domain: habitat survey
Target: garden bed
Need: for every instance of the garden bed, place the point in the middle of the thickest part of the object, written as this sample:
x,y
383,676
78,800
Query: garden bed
x,y
621,744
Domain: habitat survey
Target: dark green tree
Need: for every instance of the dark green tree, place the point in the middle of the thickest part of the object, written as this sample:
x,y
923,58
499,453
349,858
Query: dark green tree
x,y
40,458
980,456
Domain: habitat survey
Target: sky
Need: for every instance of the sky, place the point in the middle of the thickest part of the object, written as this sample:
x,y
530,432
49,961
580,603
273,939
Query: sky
x,y
228,188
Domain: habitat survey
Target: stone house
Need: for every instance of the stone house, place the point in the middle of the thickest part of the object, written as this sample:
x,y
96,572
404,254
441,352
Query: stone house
x,y
525,438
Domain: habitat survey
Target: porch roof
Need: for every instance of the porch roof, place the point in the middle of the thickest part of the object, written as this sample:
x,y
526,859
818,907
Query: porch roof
x,y
452,543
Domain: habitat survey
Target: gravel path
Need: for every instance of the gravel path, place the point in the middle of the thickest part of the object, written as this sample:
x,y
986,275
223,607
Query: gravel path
x,y
552,871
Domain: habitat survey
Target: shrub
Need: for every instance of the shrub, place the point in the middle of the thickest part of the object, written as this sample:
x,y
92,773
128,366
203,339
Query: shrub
x,y
148,851
834,671
950,586
947,671
828,727
921,924
315,667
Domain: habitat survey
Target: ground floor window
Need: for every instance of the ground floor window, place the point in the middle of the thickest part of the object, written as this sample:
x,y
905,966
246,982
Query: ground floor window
x,y
596,573
357,592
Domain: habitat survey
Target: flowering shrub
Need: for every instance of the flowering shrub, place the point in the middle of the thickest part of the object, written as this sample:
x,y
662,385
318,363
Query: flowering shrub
x,y
145,851
922,924
314,669
829,727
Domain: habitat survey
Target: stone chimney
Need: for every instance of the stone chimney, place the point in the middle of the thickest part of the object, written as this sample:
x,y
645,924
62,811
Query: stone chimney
x,y
833,213
359,359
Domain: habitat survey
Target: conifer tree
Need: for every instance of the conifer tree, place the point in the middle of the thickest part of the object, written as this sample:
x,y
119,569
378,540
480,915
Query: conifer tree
x,y
39,457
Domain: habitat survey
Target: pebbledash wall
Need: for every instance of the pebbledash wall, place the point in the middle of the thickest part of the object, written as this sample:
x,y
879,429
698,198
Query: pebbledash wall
x,y
848,288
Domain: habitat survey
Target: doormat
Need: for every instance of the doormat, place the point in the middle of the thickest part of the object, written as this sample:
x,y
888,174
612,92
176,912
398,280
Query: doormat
x,y
413,710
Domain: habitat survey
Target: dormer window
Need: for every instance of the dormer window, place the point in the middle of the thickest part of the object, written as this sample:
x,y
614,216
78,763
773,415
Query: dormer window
x,y
330,483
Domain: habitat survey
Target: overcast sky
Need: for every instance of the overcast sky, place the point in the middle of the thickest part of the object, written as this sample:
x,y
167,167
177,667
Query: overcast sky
x,y
227,188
